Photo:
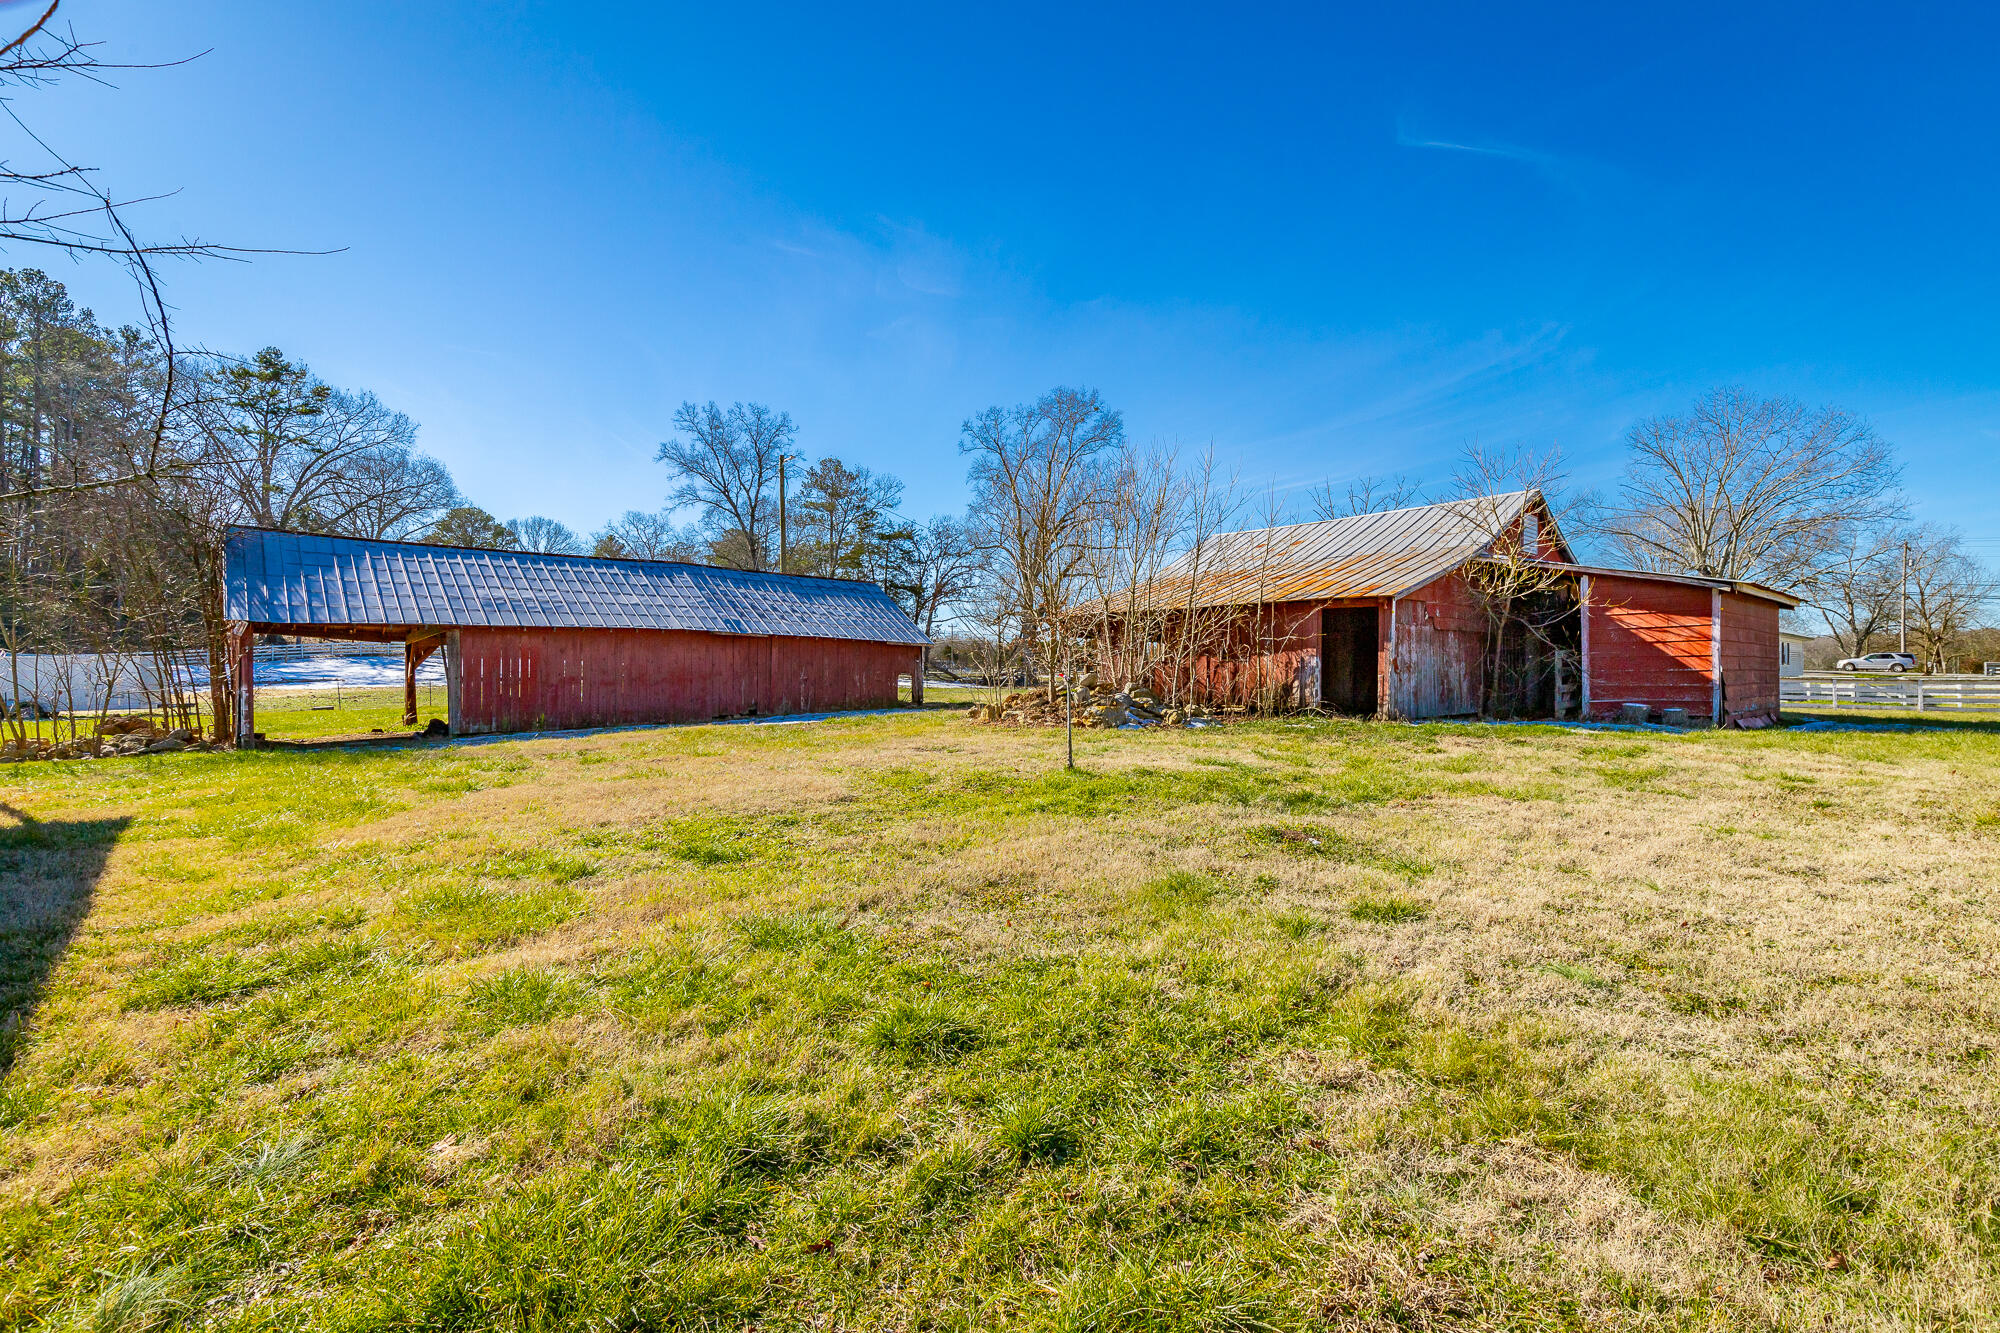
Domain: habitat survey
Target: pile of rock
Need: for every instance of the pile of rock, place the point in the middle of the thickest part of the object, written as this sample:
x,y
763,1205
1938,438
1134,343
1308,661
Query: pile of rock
x,y
1093,703
113,737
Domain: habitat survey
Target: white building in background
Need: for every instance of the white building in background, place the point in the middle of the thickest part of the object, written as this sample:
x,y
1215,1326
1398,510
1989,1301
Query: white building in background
x,y
1792,653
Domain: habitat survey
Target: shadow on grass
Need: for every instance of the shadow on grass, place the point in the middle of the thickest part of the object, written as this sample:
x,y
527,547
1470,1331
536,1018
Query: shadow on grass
x,y
1897,719
48,876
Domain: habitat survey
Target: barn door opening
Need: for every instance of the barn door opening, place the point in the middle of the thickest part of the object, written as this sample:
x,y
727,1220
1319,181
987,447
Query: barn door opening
x,y
1347,653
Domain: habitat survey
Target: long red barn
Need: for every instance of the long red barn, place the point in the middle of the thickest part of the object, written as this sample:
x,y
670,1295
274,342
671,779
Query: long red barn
x,y
533,641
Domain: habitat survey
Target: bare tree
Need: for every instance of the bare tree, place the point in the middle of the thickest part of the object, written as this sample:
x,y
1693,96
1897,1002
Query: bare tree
x,y
1364,495
1524,595
638,535
1749,488
1141,526
1039,478
50,202
394,493
942,567
726,463
1214,498
544,535
1947,589
1859,585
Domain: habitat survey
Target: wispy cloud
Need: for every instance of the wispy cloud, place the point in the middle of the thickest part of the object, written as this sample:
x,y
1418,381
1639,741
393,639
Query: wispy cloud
x,y
1511,152
1579,175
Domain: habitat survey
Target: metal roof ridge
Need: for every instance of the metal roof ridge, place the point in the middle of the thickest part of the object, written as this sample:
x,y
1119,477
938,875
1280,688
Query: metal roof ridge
x,y
545,555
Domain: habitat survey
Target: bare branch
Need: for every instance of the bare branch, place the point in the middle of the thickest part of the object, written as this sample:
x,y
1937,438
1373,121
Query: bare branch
x,y
1746,488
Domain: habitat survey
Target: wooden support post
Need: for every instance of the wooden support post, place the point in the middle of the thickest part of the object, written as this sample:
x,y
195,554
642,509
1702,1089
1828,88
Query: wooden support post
x,y
410,684
417,650
246,687
1385,675
1583,629
917,678
1715,652
454,667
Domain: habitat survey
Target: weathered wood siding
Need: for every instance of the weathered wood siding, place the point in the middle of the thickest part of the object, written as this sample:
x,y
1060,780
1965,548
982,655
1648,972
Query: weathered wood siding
x,y
1651,643
1749,657
554,679
1432,666
1274,652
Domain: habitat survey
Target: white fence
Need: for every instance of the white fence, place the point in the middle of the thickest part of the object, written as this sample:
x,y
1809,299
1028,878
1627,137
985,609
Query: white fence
x,y
86,683
1830,689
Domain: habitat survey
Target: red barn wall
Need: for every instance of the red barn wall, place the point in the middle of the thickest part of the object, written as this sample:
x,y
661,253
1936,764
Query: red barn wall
x,y
1749,657
557,679
1651,643
1270,651
1440,635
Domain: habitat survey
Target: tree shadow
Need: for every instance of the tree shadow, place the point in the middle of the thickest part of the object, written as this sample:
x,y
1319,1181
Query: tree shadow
x,y
48,876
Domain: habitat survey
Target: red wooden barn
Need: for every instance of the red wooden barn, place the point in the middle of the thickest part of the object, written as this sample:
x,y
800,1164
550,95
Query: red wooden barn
x,y
534,641
1375,614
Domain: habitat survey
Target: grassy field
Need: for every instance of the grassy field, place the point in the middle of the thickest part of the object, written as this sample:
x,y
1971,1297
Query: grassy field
x,y
889,1023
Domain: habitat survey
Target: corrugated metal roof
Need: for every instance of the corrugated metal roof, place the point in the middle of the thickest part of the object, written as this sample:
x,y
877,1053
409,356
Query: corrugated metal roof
x,y
1366,555
300,579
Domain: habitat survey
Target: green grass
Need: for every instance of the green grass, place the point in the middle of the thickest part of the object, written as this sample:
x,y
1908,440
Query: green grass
x,y
892,1023
1387,909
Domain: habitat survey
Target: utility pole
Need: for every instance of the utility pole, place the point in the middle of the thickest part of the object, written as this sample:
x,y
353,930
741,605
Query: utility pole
x,y
1903,616
781,512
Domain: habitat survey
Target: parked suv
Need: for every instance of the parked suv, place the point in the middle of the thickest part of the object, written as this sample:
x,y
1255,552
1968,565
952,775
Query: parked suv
x,y
1877,662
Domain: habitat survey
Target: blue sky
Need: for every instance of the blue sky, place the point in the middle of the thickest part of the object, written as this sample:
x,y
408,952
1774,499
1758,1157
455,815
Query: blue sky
x,y
1331,244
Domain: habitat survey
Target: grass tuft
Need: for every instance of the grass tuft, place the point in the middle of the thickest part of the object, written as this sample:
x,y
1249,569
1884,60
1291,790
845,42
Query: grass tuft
x,y
925,1029
1038,1130
525,995
135,1304
1387,909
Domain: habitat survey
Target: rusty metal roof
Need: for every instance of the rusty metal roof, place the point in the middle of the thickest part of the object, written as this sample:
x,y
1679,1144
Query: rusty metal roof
x,y
300,580
1365,555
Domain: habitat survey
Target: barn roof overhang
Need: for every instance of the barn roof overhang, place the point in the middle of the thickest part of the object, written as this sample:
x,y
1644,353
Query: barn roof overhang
x,y
1742,586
